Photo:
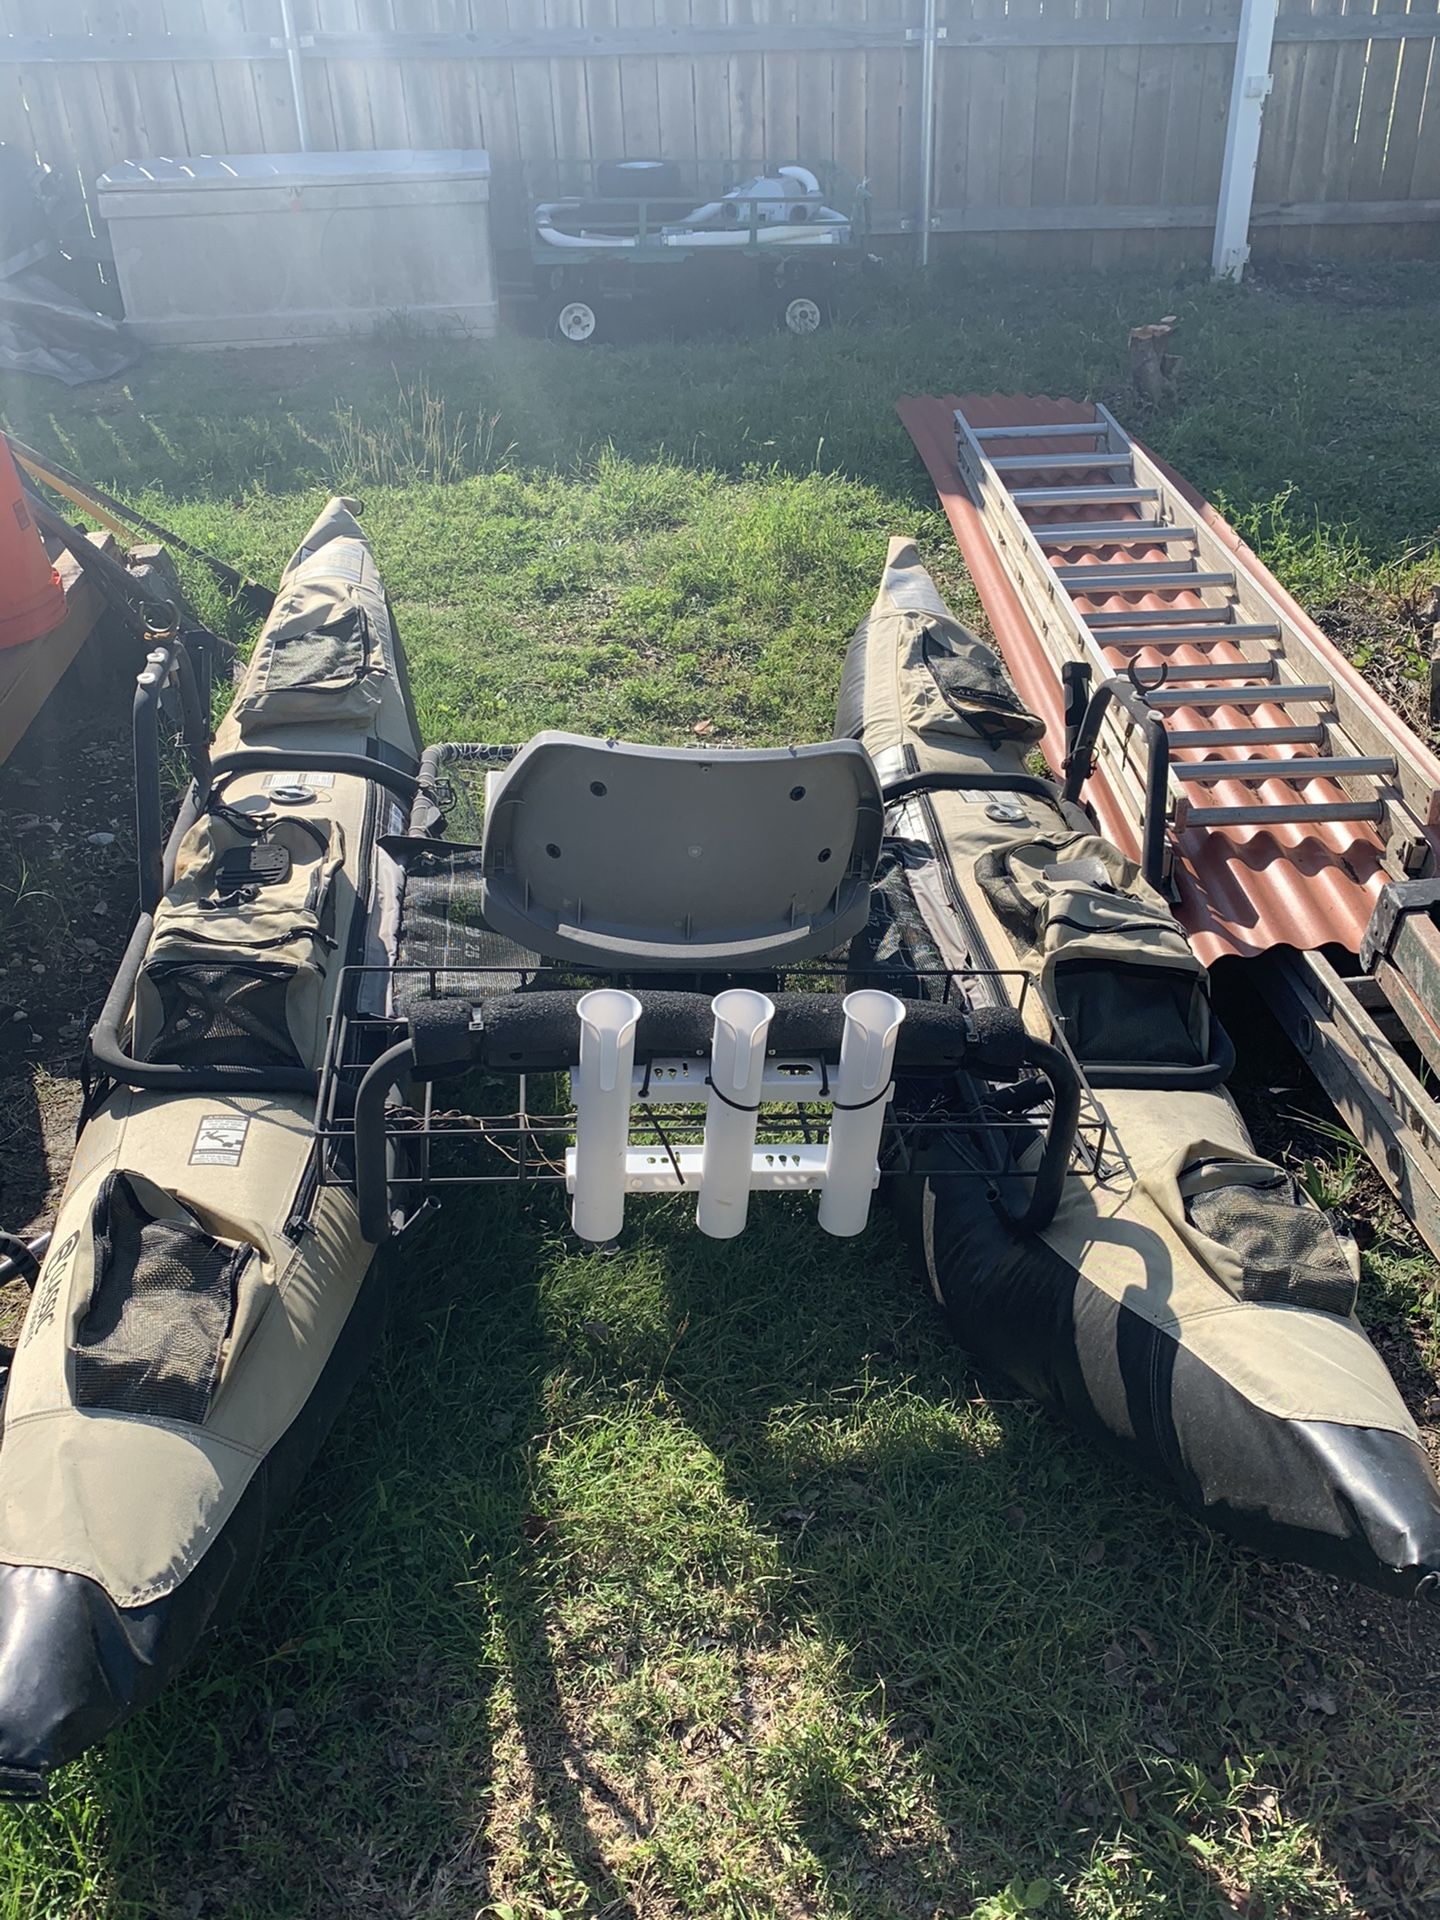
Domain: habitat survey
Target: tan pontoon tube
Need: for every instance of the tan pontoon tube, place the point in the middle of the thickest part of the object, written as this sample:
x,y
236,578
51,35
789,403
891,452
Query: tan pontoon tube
x,y
1187,1307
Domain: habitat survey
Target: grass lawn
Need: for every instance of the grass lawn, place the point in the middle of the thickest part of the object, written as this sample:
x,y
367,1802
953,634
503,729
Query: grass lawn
x,y
703,1580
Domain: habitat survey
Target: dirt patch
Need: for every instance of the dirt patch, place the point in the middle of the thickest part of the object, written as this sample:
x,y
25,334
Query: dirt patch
x,y
67,902
1388,638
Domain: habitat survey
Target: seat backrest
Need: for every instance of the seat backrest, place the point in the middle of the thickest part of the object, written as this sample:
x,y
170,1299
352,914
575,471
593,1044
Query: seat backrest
x,y
622,857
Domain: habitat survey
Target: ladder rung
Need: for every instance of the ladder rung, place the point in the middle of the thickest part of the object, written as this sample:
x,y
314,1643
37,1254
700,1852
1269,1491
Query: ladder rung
x,y
1199,617
1315,735
1277,816
1280,695
1080,496
1058,429
1112,533
1056,462
1187,636
1138,576
1221,670
1208,773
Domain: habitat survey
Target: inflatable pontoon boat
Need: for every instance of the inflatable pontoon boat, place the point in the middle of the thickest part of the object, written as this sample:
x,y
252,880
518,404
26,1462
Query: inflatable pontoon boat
x,y
893,955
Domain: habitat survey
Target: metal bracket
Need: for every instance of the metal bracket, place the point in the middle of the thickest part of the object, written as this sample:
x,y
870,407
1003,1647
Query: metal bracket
x,y
1400,898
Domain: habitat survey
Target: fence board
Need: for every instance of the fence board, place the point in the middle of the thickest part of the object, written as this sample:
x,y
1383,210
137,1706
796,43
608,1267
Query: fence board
x,y
675,88
1344,111
271,88
1425,176
500,132
952,118
1181,138
273,105
569,97
1304,167
984,123
1402,148
886,116
639,94
1155,71
603,101
814,111
1054,82
534,108
433,117
1279,130
712,88
1376,100
217,97
1082,160
747,93
21,114
1118,99
781,93
83,114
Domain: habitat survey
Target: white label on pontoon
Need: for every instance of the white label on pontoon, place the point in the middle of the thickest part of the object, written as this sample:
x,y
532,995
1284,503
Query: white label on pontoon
x,y
220,1140
315,780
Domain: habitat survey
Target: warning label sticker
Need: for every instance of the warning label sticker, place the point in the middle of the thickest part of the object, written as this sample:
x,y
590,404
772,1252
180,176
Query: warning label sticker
x,y
318,782
220,1140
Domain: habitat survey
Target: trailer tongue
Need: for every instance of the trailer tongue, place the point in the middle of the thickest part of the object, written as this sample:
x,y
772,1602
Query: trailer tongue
x,y
1221,738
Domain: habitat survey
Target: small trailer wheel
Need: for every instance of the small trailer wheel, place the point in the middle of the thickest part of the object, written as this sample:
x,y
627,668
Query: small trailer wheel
x,y
803,310
577,319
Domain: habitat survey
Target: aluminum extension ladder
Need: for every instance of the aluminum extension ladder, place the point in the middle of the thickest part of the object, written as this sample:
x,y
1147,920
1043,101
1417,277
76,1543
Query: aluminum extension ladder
x,y
1205,707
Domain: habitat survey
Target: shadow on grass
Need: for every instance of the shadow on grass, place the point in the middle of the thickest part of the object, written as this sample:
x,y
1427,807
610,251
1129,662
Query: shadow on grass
x,y
1030,1668
333,1751
1088,1684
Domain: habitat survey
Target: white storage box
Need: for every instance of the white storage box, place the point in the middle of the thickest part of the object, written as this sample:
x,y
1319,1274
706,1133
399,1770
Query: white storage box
x,y
258,248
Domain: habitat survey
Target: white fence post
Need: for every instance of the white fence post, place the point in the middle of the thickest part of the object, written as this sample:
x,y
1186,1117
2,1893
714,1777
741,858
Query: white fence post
x,y
1248,93
932,32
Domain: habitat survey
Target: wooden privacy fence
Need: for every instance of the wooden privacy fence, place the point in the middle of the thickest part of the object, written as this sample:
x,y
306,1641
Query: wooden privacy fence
x,y
1073,131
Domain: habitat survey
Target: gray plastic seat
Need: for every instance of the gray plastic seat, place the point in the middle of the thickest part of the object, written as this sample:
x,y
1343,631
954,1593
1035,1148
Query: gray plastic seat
x,y
620,857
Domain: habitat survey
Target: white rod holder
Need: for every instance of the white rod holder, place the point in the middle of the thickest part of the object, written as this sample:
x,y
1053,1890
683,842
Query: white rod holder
x,y
608,1019
862,1091
737,1068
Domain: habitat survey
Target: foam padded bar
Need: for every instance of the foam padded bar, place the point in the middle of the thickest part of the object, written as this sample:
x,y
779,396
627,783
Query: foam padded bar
x,y
539,1032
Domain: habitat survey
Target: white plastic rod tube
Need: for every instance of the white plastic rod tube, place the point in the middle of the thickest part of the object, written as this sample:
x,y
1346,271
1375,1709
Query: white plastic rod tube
x,y
862,1091
737,1068
608,1019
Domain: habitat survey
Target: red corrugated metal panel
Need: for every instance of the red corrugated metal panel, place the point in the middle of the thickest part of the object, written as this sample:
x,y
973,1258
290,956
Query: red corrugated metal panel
x,y
1241,890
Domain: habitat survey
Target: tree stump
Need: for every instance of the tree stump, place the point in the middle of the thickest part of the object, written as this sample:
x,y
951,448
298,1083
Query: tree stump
x,y
1154,372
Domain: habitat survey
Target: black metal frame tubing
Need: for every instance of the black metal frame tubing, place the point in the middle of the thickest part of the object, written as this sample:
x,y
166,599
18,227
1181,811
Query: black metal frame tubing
x,y
170,657
1079,761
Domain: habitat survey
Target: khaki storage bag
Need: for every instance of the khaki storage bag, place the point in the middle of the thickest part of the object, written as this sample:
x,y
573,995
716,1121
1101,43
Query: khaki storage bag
x,y
236,971
1112,962
321,659
1252,1227
951,683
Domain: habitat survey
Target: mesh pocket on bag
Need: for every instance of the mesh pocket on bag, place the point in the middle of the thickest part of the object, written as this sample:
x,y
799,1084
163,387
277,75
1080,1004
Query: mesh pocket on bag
x,y
164,1298
1289,1251
225,1015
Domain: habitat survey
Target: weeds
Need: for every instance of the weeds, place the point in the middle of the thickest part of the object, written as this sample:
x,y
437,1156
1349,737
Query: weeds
x,y
416,441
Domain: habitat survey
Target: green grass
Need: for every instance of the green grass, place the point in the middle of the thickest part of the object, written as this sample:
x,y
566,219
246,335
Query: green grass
x,y
703,1580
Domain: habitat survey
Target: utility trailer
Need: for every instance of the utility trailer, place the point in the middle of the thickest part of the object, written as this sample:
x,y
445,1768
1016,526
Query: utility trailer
x,y
707,236
1220,738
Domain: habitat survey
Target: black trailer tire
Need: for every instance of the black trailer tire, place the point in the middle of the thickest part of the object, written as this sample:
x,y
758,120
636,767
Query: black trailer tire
x,y
579,319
